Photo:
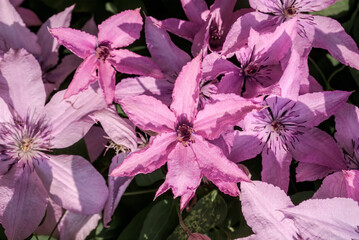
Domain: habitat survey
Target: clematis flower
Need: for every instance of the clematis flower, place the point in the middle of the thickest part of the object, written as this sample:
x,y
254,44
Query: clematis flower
x,y
101,54
272,215
182,137
284,129
28,16
30,175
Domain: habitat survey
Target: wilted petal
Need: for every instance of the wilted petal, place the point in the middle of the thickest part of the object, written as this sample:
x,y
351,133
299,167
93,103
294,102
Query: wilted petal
x,y
335,218
140,111
73,183
332,186
246,145
311,172
121,29
148,159
107,80
22,89
129,62
80,43
260,204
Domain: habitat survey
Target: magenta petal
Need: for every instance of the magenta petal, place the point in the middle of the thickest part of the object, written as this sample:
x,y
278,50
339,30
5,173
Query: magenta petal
x,y
310,6
148,159
229,188
260,204
129,62
78,226
246,145
218,116
330,35
117,186
95,142
53,215
80,43
194,9
214,165
232,82
309,85
26,208
121,29
140,111
311,172
23,90
182,28
84,76
214,65
29,17
352,183
186,90
73,183
332,186
107,80
266,6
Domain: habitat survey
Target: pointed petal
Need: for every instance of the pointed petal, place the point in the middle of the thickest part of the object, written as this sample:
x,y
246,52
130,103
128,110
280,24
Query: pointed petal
x,y
23,90
78,226
275,167
73,183
23,213
95,142
80,43
186,90
246,145
218,116
317,146
120,130
332,186
330,35
121,29
90,27
182,28
49,46
140,111
117,186
14,32
148,159
129,62
164,52
260,204
194,9
160,89
107,80
311,172
335,218
309,85
314,108
29,17
214,165
84,76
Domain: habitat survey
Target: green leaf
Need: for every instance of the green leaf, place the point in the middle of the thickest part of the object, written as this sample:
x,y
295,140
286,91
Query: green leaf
x,y
160,221
132,229
355,73
110,7
209,211
144,180
336,10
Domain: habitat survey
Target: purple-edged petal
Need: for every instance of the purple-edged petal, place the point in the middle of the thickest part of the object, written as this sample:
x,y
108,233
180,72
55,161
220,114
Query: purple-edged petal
x,y
120,130
121,29
214,165
330,35
95,142
140,110
195,10
160,89
80,43
186,90
246,145
117,186
107,80
332,186
73,183
148,159
26,208
218,116
260,204
49,46
129,62
311,172
164,52
78,226
317,146
23,90
182,28
323,219
352,183
84,76
13,30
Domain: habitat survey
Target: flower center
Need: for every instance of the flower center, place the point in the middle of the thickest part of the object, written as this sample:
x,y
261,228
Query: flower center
x,y
277,126
184,134
251,70
215,36
103,51
290,12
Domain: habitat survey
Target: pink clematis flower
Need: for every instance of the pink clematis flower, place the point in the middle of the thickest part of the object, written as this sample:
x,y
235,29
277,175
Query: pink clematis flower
x,y
101,54
272,215
30,175
182,137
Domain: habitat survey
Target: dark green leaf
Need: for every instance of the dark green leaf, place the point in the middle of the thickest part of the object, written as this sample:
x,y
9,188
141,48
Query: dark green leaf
x,y
336,10
132,229
145,180
355,74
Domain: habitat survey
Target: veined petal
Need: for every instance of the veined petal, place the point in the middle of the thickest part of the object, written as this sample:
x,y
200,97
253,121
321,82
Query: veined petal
x,y
332,186
186,90
107,80
311,171
266,6
312,6
148,159
121,29
194,9
149,113
73,183
84,76
23,90
129,62
218,116
246,145
214,165
80,43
